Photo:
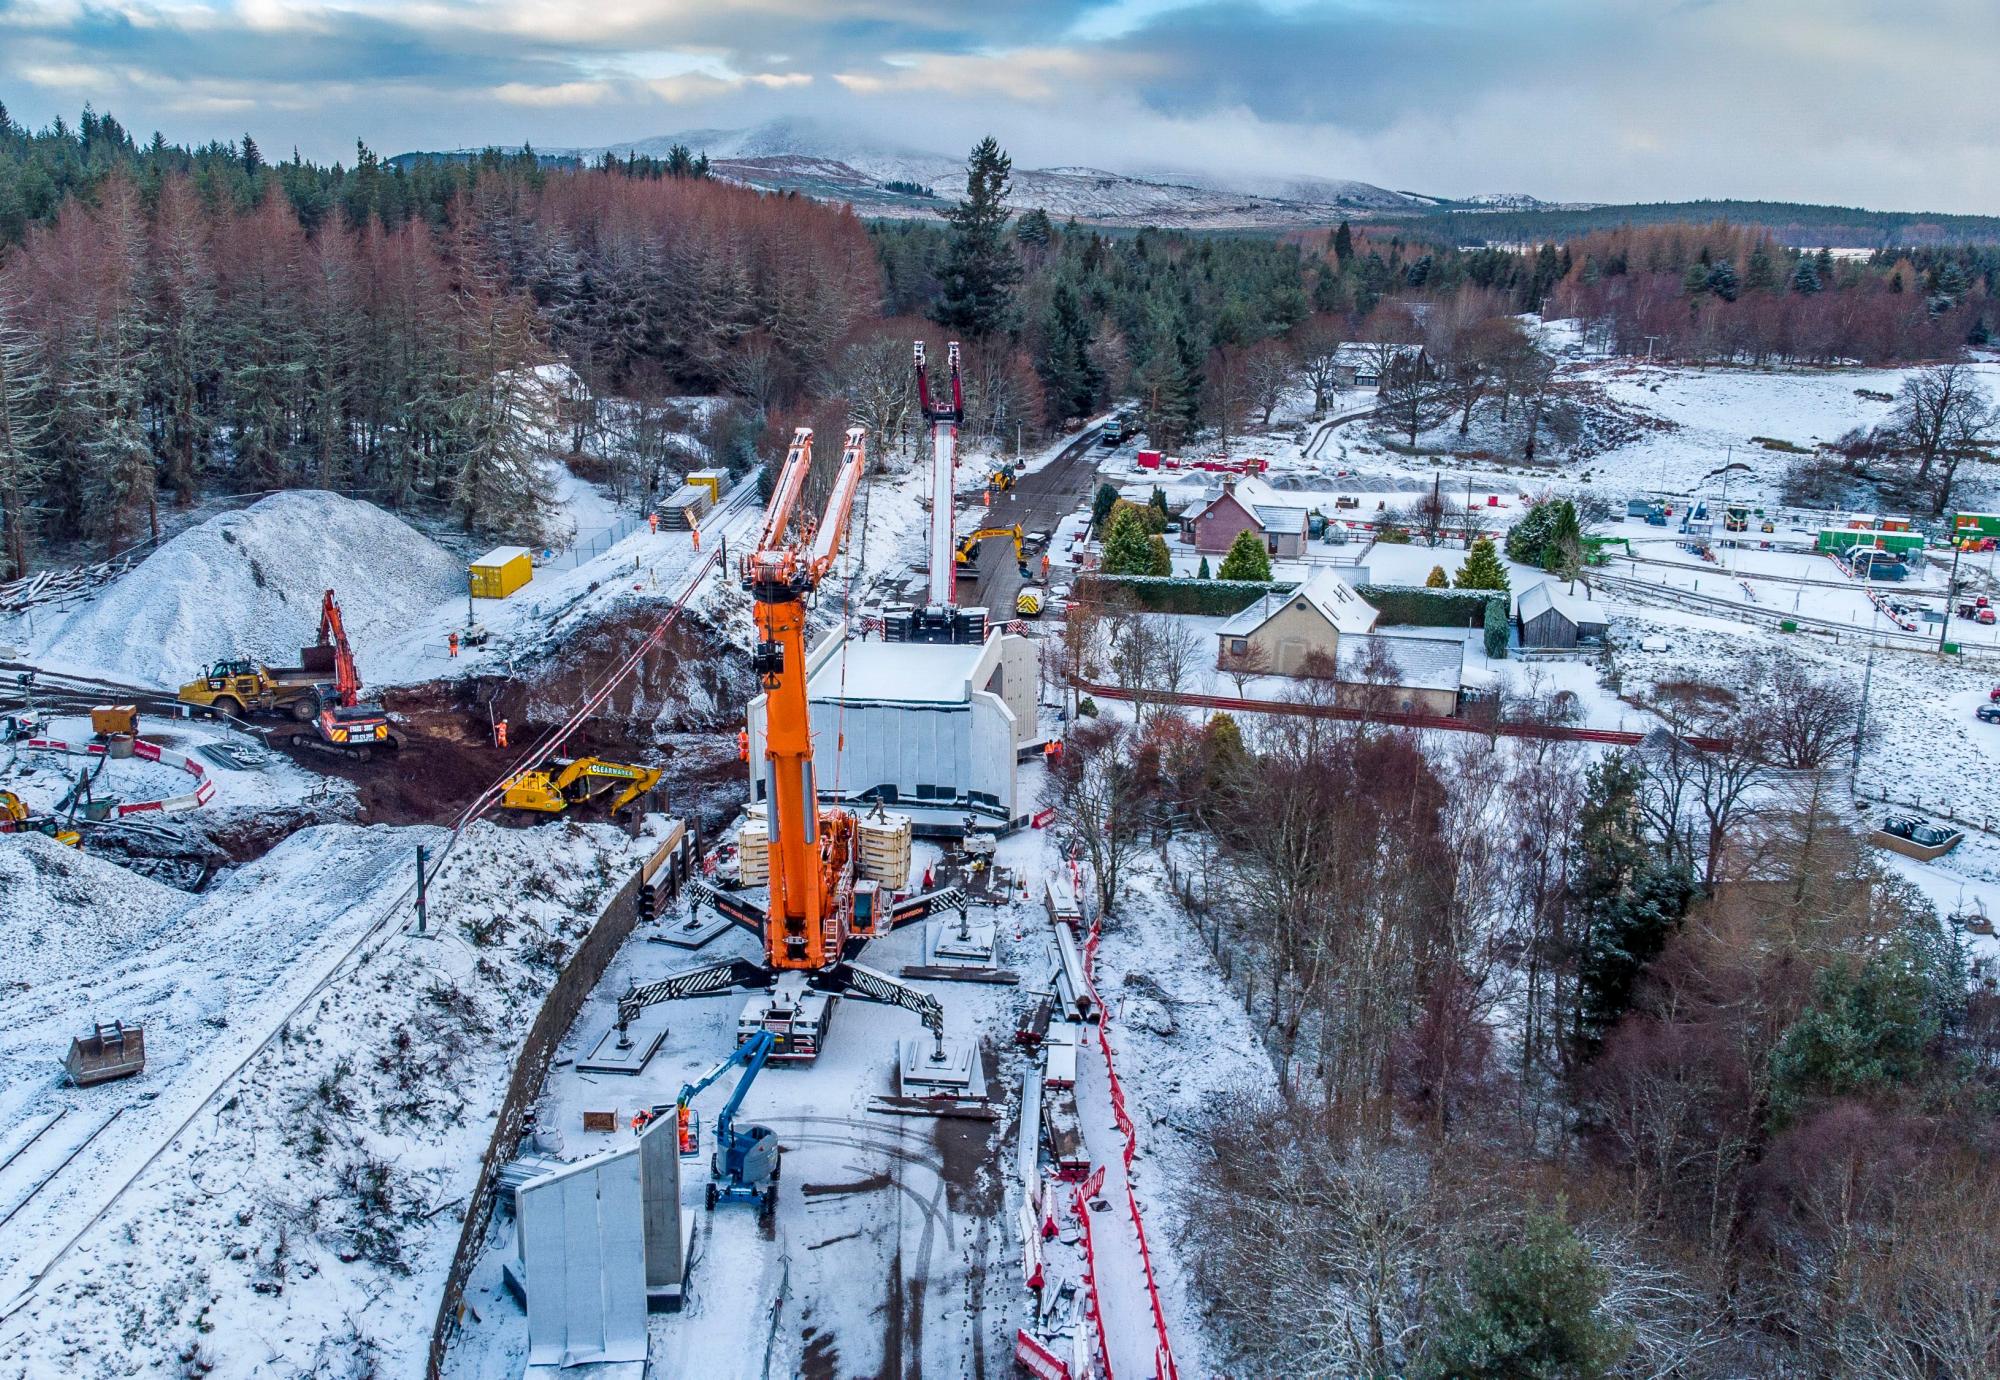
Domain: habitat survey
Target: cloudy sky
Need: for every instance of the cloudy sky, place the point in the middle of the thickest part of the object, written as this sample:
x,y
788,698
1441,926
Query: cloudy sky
x,y
1882,103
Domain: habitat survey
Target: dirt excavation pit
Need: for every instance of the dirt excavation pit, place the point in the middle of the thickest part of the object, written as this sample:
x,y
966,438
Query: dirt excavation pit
x,y
679,711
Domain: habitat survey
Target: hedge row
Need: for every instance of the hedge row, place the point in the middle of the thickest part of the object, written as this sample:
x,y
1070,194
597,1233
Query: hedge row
x,y
1408,605
1182,593
1420,607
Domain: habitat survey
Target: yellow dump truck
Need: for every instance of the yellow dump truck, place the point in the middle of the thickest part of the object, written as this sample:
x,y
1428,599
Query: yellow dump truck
x,y
240,687
500,572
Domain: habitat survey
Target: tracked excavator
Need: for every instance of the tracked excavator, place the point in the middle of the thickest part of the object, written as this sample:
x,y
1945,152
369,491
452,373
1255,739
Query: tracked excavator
x,y
556,786
323,690
811,931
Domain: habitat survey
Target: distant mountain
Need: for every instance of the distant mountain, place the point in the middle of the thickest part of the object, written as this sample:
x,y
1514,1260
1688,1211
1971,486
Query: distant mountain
x,y
824,159
835,162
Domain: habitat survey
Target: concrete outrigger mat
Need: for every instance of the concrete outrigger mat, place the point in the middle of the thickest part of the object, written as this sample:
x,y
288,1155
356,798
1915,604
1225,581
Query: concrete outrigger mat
x,y
628,1050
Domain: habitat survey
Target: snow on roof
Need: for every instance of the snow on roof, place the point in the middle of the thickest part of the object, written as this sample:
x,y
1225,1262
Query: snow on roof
x,y
1282,520
1335,599
1551,594
1421,663
906,672
500,555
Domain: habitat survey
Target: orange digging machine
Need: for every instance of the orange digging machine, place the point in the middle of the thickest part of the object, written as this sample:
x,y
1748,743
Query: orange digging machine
x,y
811,925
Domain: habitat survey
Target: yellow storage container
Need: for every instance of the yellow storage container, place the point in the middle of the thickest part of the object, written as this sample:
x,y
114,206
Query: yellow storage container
x,y
715,481
500,572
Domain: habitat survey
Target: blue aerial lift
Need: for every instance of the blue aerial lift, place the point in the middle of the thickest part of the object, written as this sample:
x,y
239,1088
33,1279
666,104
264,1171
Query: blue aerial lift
x,y
745,1163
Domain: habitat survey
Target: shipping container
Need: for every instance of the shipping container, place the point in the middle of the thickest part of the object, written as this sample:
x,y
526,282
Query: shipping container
x,y
500,572
715,481
1832,539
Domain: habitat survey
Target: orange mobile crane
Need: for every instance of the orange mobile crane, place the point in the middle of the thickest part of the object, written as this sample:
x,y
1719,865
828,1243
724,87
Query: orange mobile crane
x,y
810,928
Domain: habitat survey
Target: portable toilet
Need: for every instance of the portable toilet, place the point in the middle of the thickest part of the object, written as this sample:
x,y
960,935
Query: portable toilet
x,y
500,572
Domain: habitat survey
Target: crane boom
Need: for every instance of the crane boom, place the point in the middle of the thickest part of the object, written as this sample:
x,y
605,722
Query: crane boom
x,y
333,633
812,860
944,417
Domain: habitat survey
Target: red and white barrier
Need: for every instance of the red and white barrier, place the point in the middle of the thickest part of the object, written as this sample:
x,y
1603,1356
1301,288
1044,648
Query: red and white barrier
x,y
203,792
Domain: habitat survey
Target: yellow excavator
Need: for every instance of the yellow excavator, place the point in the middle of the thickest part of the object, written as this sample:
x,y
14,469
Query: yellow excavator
x,y
563,782
15,817
971,543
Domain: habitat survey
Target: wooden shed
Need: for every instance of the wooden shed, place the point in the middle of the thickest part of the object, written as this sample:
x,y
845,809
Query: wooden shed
x,y
1553,615
109,1051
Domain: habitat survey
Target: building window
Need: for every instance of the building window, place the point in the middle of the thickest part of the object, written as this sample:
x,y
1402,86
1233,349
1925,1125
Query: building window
x,y
1239,645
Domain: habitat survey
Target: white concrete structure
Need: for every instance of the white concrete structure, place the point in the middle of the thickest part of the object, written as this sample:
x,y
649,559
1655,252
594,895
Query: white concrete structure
x,y
583,1255
933,729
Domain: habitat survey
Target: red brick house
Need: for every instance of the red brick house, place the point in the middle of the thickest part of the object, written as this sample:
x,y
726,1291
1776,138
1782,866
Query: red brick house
x,y
1212,525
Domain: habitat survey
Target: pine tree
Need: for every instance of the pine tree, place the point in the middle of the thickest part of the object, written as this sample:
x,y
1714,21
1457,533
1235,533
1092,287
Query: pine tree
x,y
1249,558
1482,568
1564,553
1437,579
980,269
1033,228
1627,898
1343,245
1159,560
1128,548
1071,379
1201,573
23,426
1101,505
1722,281
1170,380
1762,274
1805,278
1157,501
1531,1311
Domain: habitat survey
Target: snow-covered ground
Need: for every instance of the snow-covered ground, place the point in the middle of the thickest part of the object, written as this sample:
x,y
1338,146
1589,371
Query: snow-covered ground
x,y
309,1123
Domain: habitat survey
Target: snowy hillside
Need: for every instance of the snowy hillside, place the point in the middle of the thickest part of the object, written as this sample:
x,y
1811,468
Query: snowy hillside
x,y
250,584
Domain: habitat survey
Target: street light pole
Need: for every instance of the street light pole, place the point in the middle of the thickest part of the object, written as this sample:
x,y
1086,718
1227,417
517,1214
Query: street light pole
x,y
1950,587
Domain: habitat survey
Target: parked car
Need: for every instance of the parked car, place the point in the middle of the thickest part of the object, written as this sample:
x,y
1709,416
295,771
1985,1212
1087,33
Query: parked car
x,y
1988,713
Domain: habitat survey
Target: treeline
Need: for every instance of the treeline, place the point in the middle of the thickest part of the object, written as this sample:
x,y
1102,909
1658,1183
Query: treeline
x,y
1787,221
1722,292
174,320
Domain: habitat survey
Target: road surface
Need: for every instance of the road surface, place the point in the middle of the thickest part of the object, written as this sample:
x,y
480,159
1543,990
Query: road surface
x,y
1038,502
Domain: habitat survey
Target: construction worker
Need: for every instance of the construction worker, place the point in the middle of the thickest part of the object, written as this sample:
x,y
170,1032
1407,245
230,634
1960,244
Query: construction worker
x,y
742,744
641,1119
500,734
653,522
1045,565
697,537
452,642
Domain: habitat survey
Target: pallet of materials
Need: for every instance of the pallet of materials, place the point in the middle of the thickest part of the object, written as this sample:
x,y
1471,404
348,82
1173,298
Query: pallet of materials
x,y
685,507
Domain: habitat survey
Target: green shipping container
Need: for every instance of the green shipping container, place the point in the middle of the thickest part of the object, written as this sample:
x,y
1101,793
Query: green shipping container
x,y
500,572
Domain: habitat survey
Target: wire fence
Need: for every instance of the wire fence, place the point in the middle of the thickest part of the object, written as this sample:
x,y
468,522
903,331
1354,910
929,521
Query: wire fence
x,y
589,546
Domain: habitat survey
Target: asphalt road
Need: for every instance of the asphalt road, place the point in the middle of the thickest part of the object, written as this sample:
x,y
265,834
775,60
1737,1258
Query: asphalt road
x,y
1038,502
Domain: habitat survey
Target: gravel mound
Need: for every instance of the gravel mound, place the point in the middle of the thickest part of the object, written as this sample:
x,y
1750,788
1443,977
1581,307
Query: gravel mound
x,y
63,912
249,584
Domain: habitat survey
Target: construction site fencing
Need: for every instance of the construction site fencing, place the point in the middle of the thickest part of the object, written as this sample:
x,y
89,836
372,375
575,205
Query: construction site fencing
x,y
1503,728
1163,1351
565,998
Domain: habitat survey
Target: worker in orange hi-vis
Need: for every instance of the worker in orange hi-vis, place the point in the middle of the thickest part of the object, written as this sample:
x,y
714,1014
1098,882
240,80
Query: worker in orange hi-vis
x,y
653,522
742,744
1045,565
697,537
500,734
452,642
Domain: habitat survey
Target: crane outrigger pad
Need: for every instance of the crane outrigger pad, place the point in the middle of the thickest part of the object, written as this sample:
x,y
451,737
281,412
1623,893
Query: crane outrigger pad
x,y
701,926
937,1067
627,1050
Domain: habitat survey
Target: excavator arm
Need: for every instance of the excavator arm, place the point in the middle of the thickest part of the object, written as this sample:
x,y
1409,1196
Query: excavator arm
x,y
333,633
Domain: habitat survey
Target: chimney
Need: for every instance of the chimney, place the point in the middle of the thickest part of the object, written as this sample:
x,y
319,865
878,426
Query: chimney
x,y
1229,483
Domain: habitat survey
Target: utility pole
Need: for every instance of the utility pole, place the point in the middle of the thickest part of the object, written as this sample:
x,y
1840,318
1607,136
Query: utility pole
x,y
423,857
1950,587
